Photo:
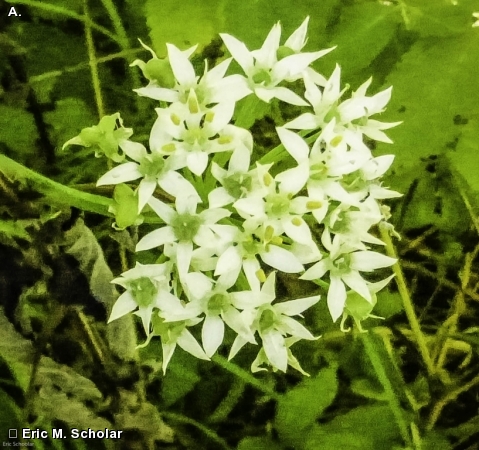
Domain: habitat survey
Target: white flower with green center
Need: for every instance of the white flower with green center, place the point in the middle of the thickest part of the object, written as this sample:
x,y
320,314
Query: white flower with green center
x,y
344,267
186,227
173,334
190,135
217,305
153,168
146,288
243,253
268,66
272,321
212,87
352,114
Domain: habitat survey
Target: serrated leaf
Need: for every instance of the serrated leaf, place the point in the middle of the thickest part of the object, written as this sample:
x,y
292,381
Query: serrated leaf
x,y
299,408
363,32
435,82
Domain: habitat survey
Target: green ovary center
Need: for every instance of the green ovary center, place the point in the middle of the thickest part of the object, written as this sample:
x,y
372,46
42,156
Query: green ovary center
x,y
343,264
152,165
185,226
262,77
216,303
237,184
267,319
277,205
143,291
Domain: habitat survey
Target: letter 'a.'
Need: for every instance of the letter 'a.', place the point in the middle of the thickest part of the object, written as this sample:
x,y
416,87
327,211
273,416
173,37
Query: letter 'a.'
x,y
12,12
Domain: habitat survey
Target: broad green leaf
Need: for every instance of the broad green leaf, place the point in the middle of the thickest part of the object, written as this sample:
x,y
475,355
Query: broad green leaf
x,y
299,408
364,427
180,378
184,24
438,17
363,32
258,443
17,130
251,21
435,82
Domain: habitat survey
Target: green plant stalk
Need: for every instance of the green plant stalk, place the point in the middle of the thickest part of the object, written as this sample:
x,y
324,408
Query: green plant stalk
x,y
68,13
205,430
93,63
408,306
245,376
392,400
57,193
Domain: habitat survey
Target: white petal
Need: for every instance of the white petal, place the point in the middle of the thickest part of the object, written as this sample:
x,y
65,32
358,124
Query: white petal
x,y
212,334
336,297
293,180
295,307
238,344
156,238
275,349
197,162
165,212
134,150
184,251
125,304
294,328
294,144
229,261
281,259
250,267
181,66
306,121
357,284
175,184
168,350
121,174
239,51
219,197
188,343
288,96
297,40
197,284
158,93
367,261
266,55
145,191
316,272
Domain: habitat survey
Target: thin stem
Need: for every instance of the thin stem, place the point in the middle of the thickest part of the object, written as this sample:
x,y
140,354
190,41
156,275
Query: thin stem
x,y
245,376
205,430
392,399
57,193
407,304
68,13
93,63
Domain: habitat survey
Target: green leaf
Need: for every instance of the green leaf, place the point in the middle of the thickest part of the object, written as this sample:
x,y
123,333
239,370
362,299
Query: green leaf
x,y
15,228
364,427
299,408
17,130
258,443
435,82
10,414
364,31
180,379
183,24
438,17
82,244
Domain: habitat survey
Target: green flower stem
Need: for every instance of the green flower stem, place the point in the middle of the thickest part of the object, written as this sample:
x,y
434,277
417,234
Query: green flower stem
x,y
245,376
392,400
205,430
68,13
93,63
408,306
57,193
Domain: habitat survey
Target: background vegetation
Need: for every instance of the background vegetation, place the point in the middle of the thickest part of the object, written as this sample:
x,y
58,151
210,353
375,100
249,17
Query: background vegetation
x,y
410,382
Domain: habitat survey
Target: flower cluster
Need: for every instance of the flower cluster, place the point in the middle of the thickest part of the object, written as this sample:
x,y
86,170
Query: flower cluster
x,y
231,225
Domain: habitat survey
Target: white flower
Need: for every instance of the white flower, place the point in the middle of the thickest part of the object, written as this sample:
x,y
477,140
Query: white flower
x,y
185,227
217,305
263,70
352,114
153,168
190,135
173,334
273,322
344,268
147,286
212,87
261,242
